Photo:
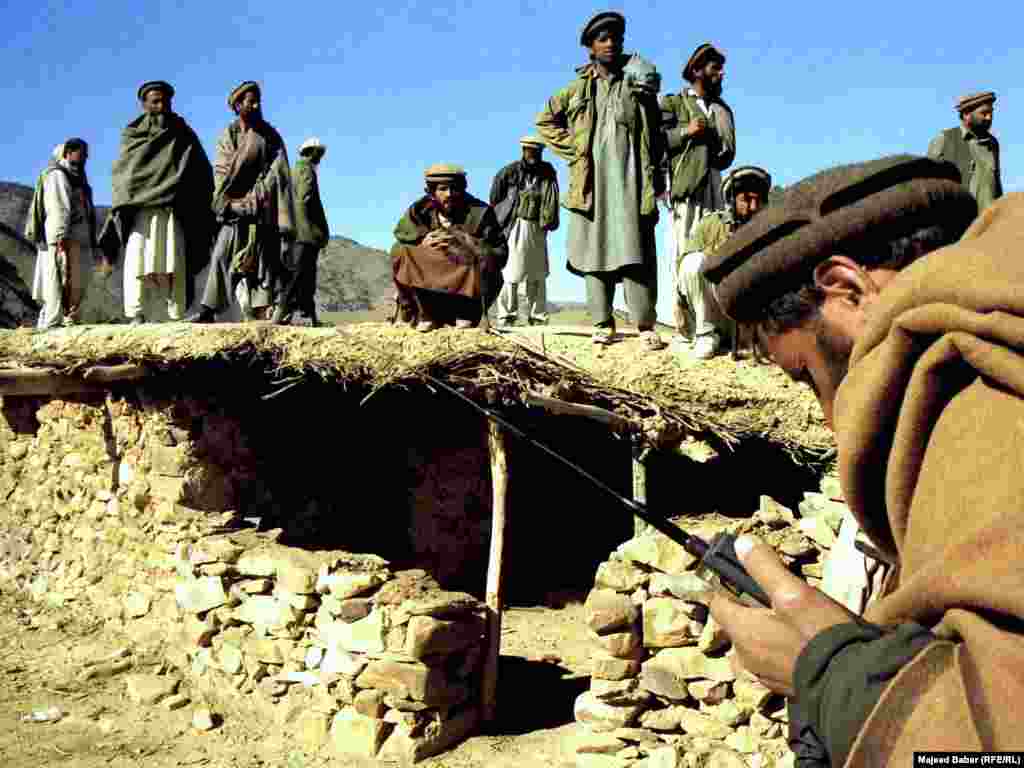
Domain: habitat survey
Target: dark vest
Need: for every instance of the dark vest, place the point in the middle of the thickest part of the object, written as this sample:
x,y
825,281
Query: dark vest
x,y
956,150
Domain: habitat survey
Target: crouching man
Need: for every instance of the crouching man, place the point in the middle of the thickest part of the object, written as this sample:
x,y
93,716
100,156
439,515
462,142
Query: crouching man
x,y
448,254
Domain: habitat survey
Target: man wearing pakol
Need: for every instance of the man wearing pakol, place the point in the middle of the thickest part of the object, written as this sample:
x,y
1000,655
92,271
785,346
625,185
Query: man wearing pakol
x,y
448,254
160,217
298,288
252,200
972,148
865,286
607,126
524,195
745,190
62,223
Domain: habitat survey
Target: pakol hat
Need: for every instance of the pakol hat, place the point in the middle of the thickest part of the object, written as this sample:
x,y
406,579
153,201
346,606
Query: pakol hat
x,y
746,177
532,141
313,143
239,91
155,85
777,251
439,173
601,20
704,52
972,101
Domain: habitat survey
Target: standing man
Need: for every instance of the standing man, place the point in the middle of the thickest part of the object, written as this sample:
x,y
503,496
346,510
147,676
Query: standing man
x,y
745,190
252,200
864,285
311,236
607,127
524,196
700,134
972,148
62,222
448,254
160,216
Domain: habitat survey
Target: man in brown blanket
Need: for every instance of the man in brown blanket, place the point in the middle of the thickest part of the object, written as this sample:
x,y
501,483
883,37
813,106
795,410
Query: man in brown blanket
x,y
919,368
448,254
252,200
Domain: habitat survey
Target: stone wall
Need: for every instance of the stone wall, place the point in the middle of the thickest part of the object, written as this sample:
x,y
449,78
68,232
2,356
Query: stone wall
x,y
666,690
132,506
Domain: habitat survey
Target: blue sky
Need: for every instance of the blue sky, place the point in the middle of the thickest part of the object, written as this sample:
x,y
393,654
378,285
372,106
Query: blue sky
x,y
394,86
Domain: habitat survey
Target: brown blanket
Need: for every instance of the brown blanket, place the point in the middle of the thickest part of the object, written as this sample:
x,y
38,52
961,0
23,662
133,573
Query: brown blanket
x,y
930,421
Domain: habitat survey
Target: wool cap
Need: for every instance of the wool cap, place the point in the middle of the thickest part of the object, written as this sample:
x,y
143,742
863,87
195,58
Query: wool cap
x,y
442,172
532,141
239,91
601,20
972,101
155,85
881,200
703,52
746,177
312,143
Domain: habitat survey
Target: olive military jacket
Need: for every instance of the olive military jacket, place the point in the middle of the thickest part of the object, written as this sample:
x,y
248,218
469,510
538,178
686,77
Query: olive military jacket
x,y
567,126
310,219
690,158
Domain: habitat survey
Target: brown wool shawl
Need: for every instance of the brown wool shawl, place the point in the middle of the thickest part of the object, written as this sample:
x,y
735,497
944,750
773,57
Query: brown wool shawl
x,y
930,423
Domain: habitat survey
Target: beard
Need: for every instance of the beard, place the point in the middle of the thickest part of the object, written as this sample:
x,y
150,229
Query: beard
x,y
835,351
979,127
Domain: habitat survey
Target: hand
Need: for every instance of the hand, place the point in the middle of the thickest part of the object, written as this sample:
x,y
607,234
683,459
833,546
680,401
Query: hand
x,y
769,641
437,239
696,127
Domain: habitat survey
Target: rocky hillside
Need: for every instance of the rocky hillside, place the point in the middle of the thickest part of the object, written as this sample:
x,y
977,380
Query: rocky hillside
x,y
351,276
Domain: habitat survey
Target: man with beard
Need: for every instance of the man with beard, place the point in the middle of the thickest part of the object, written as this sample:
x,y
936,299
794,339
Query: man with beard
x,y
608,128
62,222
524,195
700,134
972,148
311,236
914,352
252,200
160,216
745,190
448,254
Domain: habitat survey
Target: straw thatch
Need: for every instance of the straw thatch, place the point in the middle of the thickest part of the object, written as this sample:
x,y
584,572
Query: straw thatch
x,y
666,398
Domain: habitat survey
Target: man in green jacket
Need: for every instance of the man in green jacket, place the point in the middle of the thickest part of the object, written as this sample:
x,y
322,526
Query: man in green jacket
x,y
972,148
311,235
700,135
745,191
607,126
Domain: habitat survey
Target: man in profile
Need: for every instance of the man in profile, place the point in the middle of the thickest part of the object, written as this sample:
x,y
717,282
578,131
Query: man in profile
x,y
448,254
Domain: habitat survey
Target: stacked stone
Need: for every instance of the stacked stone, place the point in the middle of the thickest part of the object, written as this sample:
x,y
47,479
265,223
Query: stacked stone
x,y
332,647
666,690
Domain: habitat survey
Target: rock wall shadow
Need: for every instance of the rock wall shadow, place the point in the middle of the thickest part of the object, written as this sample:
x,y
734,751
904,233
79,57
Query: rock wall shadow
x,y
534,695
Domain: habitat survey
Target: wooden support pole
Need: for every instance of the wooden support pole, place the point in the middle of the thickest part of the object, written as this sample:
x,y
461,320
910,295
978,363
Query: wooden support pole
x,y
105,374
40,381
496,443
563,408
639,485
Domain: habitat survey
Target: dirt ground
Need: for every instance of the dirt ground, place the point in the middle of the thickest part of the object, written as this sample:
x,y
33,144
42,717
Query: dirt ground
x,y
44,649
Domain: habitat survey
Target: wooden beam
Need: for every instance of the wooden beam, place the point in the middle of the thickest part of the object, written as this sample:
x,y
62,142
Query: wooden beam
x,y
640,485
16,382
105,374
563,408
496,442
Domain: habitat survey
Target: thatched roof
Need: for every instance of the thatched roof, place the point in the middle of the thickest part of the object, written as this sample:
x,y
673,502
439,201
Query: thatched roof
x,y
666,397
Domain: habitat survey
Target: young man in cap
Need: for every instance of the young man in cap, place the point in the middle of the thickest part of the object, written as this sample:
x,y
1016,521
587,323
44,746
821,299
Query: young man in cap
x,y
448,254
160,216
913,347
745,190
252,200
62,222
311,236
700,134
524,195
608,128
972,148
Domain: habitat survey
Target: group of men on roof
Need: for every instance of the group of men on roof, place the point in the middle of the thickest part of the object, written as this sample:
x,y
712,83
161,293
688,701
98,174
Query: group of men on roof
x,y
877,284
256,222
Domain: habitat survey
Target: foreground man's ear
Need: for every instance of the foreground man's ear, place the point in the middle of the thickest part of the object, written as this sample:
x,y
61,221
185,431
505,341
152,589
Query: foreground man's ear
x,y
840,277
